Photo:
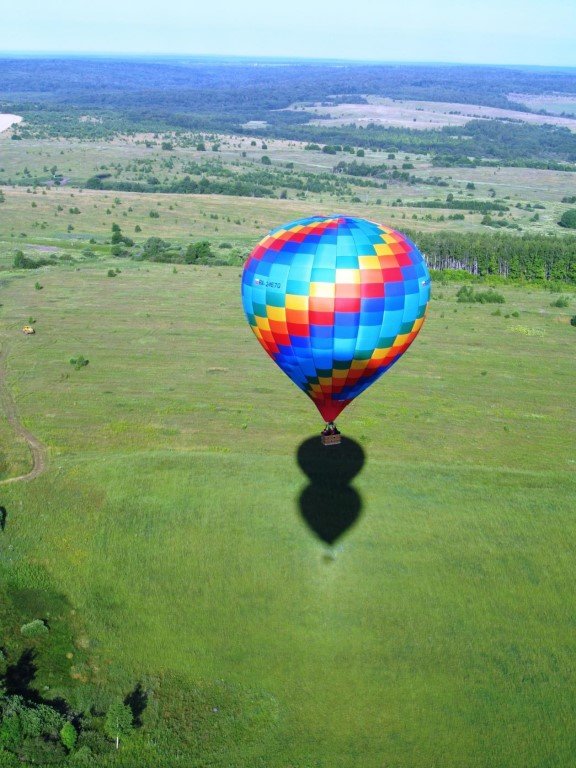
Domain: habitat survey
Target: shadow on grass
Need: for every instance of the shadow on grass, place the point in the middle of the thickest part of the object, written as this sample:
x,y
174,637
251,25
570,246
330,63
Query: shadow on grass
x,y
137,700
20,676
18,681
329,505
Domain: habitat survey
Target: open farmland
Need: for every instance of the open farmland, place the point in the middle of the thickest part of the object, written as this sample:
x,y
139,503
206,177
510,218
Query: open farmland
x,y
401,113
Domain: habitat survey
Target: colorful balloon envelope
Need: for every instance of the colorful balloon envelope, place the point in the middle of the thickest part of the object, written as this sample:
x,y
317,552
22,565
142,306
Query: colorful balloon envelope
x,y
335,301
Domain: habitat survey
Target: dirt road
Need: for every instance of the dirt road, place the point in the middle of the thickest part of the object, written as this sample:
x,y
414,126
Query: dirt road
x,y
8,407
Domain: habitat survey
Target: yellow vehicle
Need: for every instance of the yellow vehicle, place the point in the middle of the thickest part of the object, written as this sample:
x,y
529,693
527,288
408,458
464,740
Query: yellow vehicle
x,y
28,330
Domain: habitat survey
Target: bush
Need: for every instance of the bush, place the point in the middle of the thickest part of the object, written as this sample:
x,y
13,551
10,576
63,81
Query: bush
x,y
562,301
199,253
24,262
111,273
573,320
568,219
467,294
79,362
68,736
34,628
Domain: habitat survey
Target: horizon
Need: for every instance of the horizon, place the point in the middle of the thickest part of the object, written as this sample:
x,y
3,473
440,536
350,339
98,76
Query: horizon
x,y
499,33
156,55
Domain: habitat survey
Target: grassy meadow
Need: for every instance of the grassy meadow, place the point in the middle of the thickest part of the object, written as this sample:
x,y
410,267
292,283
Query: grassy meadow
x,y
68,216
438,631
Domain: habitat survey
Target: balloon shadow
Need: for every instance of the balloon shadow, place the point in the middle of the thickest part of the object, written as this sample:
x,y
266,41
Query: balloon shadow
x,y
329,505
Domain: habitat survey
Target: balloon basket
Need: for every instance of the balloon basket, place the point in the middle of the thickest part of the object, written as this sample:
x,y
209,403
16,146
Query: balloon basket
x,y
331,439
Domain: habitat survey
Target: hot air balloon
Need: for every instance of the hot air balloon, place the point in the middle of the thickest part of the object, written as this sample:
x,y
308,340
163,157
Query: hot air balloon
x,y
335,301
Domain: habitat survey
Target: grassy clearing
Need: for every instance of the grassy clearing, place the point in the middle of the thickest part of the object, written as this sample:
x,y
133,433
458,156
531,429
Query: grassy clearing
x,y
437,631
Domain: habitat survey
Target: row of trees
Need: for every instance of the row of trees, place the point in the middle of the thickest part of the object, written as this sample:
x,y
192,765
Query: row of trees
x,y
213,178
534,258
160,250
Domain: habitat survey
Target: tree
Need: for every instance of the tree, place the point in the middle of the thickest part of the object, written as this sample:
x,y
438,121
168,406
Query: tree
x,y
116,234
119,721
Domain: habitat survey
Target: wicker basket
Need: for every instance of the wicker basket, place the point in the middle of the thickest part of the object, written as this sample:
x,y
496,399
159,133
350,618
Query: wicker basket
x,y
331,439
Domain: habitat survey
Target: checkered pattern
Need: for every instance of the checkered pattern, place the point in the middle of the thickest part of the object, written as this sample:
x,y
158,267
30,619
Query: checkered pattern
x,y
335,301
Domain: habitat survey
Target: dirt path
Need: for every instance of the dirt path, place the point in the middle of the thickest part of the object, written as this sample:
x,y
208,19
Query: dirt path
x,y
8,406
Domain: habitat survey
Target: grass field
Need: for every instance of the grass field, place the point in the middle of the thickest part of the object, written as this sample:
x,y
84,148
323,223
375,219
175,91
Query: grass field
x,y
438,631
425,114
69,215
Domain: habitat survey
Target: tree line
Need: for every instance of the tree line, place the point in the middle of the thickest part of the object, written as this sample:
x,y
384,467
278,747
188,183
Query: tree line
x,y
534,258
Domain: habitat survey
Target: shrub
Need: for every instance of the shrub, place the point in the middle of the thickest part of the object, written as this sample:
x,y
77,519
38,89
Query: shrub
x,y
568,219
34,628
199,253
467,294
79,362
111,273
562,301
24,262
68,736
573,320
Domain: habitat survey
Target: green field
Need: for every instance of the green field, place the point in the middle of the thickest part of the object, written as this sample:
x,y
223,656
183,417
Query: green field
x,y
67,216
438,631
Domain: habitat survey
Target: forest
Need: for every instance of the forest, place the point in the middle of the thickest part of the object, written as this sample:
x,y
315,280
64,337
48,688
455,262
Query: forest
x,y
225,95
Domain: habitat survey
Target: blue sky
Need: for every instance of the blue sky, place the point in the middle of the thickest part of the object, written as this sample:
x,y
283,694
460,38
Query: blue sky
x,y
539,32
